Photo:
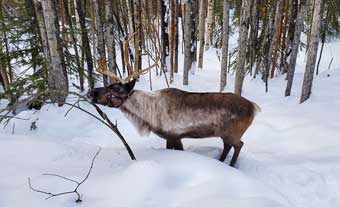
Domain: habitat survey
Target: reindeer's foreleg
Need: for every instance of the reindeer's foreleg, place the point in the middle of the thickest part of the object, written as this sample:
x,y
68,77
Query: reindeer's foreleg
x,y
174,144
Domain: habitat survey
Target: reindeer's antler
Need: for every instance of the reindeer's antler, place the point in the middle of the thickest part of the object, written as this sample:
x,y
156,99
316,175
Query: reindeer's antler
x,y
102,69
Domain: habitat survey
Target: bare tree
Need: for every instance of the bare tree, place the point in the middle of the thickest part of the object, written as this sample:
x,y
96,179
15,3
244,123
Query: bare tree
x,y
189,40
312,53
240,71
201,31
225,40
295,46
57,77
210,25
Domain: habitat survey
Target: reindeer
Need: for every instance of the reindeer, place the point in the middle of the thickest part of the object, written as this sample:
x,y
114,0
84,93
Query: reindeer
x,y
173,114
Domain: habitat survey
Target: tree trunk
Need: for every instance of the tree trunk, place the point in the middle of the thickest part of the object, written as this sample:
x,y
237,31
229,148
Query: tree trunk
x,y
225,40
164,35
245,11
210,26
172,38
99,8
295,46
74,42
312,53
57,77
278,32
109,38
139,35
189,40
201,32
176,37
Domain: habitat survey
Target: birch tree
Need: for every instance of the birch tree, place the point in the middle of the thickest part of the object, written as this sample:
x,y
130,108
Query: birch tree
x,y
312,53
210,26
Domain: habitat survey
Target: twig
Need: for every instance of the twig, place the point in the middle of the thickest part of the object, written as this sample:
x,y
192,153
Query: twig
x,y
51,195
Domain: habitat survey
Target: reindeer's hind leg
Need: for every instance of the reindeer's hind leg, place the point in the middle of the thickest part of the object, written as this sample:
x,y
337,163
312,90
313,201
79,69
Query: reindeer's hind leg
x,y
170,144
178,145
226,149
237,149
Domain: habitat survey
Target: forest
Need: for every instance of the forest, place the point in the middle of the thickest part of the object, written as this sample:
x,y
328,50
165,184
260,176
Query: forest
x,y
281,55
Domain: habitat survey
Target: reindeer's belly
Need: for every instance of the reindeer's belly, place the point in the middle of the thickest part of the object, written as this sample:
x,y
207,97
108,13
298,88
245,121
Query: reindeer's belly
x,y
190,132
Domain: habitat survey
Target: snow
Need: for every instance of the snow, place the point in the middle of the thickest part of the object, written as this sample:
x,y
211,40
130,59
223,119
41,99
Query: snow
x,y
290,157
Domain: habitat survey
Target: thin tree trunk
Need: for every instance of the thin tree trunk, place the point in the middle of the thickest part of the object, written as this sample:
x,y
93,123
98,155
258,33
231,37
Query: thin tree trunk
x,y
312,53
210,26
295,46
85,42
278,33
109,38
74,42
164,35
176,36
225,40
201,32
98,8
243,38
172,38
189,40
138,36
323,33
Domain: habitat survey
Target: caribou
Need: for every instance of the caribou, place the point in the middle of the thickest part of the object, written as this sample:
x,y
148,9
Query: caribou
x,y
174,114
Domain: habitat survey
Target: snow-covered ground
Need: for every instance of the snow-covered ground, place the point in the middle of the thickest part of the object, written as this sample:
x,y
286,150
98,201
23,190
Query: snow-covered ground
x,y
291,155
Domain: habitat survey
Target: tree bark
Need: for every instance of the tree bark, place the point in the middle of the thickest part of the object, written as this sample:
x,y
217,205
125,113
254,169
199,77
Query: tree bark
x,y
278,33
109,37
81,7
295,46
74,42
99,8
57,77
164,35
312,53
172,38
139,35
240,71
225,40
210,26
189,40
201,32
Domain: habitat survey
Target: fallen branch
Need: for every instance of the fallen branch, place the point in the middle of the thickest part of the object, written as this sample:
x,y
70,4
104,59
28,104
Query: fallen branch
x,y
75,191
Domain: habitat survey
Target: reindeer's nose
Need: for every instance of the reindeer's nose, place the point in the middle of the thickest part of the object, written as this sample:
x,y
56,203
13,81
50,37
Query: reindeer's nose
x,y
90,95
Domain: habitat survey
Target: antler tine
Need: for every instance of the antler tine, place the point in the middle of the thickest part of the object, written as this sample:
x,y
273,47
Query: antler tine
x,y
102,69
143,71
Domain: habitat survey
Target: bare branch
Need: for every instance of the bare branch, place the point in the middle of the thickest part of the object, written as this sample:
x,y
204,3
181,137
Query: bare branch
x,y
51,195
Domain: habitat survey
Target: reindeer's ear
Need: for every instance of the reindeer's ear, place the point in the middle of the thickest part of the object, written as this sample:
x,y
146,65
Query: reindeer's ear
x,y
129,86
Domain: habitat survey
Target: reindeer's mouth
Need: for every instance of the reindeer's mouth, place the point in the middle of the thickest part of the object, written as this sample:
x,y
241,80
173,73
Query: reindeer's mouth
x,y
90,95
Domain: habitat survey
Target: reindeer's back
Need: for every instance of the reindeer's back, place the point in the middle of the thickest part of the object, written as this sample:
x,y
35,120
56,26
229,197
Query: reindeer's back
x,y
211,112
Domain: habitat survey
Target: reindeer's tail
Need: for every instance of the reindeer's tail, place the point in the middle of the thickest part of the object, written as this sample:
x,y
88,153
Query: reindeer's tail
x,y
256,108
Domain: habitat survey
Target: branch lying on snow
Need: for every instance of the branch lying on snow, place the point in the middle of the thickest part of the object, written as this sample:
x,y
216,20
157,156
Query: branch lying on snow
x,y
75,191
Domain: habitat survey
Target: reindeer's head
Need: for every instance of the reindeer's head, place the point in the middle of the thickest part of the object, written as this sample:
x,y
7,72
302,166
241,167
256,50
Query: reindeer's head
x,y
113,95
